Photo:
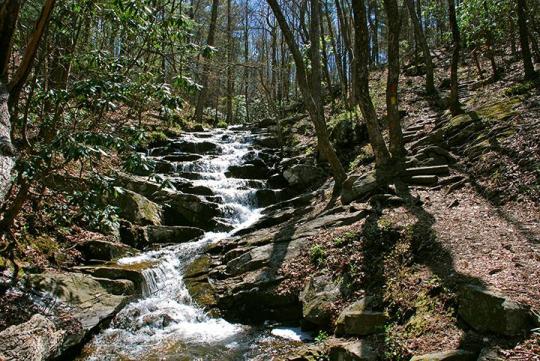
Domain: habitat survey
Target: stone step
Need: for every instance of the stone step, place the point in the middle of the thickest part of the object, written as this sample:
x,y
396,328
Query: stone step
x,y
197,148
182,157
430,170
423,180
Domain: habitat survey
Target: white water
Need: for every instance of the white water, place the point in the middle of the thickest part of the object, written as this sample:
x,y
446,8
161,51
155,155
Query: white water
x,y
166,323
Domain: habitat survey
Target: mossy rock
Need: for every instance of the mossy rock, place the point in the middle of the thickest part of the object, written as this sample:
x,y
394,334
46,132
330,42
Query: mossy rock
x,y
202,293
198,267
138,209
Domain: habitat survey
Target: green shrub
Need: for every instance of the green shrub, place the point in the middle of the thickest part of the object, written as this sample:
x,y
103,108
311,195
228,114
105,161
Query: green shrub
x,y
317,254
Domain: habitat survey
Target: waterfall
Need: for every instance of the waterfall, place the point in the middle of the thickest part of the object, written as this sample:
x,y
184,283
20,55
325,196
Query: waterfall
x,y
166,317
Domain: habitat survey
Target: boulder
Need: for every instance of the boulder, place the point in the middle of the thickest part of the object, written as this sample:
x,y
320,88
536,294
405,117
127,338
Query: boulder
x,y
101,250
248,171
488,311
89,301
35,340
348,132
267,142
358,350
303,175
164,167
455,355
359,186
140,185
359,320
172,234
190,210
317,297
138,209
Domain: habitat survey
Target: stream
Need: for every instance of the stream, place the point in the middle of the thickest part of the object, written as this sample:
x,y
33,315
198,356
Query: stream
x,y
165,324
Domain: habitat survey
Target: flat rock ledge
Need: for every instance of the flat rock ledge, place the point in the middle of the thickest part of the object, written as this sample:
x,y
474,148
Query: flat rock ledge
x,y
89,302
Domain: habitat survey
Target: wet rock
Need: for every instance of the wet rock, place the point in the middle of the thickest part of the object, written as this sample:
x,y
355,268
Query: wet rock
x,y
198,267
304,175
35,340
267,142
197,148
488,311
172,234
164,167
138,209
131,273
359,320
248,171
266,197
358,186
455,355
317,298
101,250
90,302
351,351
119,287
277,181
190,210
182,157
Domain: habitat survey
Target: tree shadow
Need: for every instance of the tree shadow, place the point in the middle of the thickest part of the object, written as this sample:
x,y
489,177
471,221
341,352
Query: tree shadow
x,y
427,250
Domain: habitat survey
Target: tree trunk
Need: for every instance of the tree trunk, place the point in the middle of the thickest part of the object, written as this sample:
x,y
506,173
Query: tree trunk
x,y
528,67
311,88
230,81
453,102
201,101
392,104
430,85
363,98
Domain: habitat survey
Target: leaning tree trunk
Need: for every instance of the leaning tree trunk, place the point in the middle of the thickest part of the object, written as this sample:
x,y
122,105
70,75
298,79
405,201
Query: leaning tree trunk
x,y
392,104
421,38
363,98
6,149
453,102
528,67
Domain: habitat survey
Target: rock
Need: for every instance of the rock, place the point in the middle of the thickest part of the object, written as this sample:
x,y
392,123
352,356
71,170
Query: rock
x,y
348,132
90,302
164,167
35,340
197,148
266,197
359,320
172,234
190,210
351,351
101,250
357,187
277,181
455,355
487,311
303,175
131,272
267,142
140,185
138,209
248,171
317,298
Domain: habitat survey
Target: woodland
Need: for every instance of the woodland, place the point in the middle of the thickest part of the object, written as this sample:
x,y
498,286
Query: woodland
x,y
270,180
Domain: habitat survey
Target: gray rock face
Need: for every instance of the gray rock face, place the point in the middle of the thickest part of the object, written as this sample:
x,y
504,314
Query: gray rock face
x,y
455,355
101,250
317,298
138,209
487,311
358,187
359,320
304,175
197,148
351,351
35,340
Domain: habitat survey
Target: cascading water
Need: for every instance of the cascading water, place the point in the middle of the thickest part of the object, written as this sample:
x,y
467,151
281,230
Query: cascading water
x,y
165,324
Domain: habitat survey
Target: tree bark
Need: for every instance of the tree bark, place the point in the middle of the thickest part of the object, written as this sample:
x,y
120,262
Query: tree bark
x,y
230,81
421,38
528,67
